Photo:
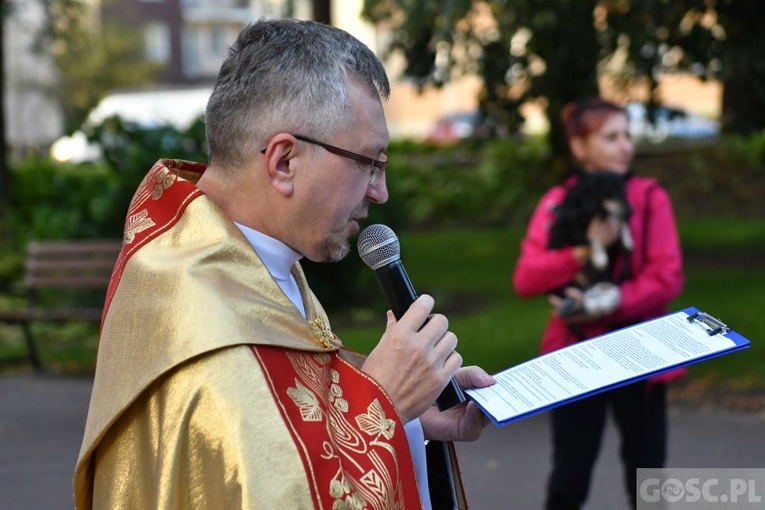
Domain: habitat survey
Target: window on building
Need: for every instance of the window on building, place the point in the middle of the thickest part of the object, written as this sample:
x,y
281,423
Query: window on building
x,y
218,41
191,58
157,42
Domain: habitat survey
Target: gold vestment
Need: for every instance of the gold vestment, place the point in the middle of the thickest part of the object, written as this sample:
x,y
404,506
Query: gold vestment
x,y
211,389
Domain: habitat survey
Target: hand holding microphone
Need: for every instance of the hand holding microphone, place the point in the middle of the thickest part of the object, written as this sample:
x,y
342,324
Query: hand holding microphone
x,y
422,346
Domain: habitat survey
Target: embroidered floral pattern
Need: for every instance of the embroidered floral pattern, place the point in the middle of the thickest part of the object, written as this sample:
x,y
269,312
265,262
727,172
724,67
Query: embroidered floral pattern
x,y
374,423
345,498
151,186
317,392
136,223
165,179
306,402
336,392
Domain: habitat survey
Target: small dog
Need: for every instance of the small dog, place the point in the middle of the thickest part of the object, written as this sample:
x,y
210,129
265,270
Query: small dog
x,y
594,194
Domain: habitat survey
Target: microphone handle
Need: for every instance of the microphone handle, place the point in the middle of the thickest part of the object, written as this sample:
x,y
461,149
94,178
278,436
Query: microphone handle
x,y
397,287
400,294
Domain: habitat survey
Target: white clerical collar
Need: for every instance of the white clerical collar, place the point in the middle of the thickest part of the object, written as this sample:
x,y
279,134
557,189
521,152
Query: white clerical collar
x,y
278,259
277,256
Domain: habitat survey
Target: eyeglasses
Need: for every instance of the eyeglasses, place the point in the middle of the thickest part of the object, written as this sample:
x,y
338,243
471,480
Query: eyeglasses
x,y
378,167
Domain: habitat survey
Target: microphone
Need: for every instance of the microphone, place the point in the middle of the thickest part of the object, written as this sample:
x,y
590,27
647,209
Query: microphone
x,y
380,250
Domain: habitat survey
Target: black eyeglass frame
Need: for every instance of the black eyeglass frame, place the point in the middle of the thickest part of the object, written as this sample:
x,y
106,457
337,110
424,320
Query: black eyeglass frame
x,y
376,164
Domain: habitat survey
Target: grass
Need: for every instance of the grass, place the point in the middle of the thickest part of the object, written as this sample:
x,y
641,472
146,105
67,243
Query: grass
x,y
468,272
725,276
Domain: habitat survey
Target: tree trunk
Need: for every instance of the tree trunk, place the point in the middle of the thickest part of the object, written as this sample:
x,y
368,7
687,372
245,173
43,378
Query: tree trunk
x,y
743,109
322,11
5,177
743,102
572,70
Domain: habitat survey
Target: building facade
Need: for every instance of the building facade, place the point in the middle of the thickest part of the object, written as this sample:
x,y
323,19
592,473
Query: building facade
x,y
189,38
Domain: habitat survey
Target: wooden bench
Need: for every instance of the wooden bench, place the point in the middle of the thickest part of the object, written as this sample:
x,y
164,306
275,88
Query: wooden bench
x,y
58,267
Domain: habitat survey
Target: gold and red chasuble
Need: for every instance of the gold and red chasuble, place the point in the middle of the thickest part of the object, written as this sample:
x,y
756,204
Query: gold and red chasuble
x,y
212,390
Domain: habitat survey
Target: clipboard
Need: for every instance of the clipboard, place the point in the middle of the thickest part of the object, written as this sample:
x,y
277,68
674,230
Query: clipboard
x,y
712,325
606,362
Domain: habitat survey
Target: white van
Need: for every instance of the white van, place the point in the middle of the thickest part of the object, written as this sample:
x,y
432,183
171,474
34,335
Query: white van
x,y
176,107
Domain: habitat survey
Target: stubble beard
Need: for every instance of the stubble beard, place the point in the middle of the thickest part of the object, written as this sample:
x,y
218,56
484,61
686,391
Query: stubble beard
x,y
334,249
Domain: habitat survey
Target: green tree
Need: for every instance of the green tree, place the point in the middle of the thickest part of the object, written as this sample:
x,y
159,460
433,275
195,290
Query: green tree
x,y
524,49
92,57
718,39
556,50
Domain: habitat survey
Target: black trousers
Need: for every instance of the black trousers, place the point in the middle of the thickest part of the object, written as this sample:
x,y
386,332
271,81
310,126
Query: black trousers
x,y
639,411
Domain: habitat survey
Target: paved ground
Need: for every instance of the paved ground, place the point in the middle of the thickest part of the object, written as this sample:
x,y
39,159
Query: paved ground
x,y
42,419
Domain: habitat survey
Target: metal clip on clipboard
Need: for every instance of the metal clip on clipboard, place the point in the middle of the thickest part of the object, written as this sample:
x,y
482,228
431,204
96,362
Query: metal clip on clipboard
x,y
711,324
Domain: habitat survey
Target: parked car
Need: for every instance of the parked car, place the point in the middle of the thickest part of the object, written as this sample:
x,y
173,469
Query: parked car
x,y
668,122
176,107
453,128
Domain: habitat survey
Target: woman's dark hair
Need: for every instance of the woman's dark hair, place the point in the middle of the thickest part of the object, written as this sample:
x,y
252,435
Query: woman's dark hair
x,y
583,117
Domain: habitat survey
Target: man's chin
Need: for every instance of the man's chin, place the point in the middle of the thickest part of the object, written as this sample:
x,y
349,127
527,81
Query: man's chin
x,y
333,251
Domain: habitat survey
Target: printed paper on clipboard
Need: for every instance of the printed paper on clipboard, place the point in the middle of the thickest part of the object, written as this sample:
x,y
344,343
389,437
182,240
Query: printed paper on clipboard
x,y
605,362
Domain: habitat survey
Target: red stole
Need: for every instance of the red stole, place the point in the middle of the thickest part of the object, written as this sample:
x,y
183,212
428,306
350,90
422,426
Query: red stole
x,y
352,443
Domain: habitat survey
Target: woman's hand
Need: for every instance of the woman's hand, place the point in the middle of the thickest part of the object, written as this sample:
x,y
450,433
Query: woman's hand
x,y
586,306
572,303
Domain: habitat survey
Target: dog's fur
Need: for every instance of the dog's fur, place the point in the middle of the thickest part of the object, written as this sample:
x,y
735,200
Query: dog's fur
x,y
593,194
585,199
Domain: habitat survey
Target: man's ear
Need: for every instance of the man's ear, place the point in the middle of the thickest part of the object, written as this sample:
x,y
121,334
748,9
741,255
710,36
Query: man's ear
x,y
280,162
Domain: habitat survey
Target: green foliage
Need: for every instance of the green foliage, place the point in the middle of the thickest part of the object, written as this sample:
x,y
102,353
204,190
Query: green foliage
x,y
466,184
131,149
62,201
750,148
721,179
52,201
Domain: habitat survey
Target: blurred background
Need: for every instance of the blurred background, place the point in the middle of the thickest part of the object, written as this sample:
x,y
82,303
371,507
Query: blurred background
x,y
95,91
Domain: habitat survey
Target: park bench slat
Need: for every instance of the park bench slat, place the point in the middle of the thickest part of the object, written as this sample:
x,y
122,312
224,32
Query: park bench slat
x,y
74,266
88,248
62,265
51,315
60,282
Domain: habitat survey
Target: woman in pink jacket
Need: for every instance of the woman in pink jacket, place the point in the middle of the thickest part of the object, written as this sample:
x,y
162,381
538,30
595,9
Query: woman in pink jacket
x,y
641,258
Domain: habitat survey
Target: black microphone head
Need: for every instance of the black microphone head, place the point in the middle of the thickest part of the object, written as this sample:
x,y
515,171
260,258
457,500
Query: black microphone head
x,y
378,246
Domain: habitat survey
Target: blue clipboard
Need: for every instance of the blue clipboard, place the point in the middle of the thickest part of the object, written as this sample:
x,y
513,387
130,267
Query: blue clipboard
x,y
491,398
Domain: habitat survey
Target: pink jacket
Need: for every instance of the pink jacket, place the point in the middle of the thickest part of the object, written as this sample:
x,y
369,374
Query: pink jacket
x,y
656,263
